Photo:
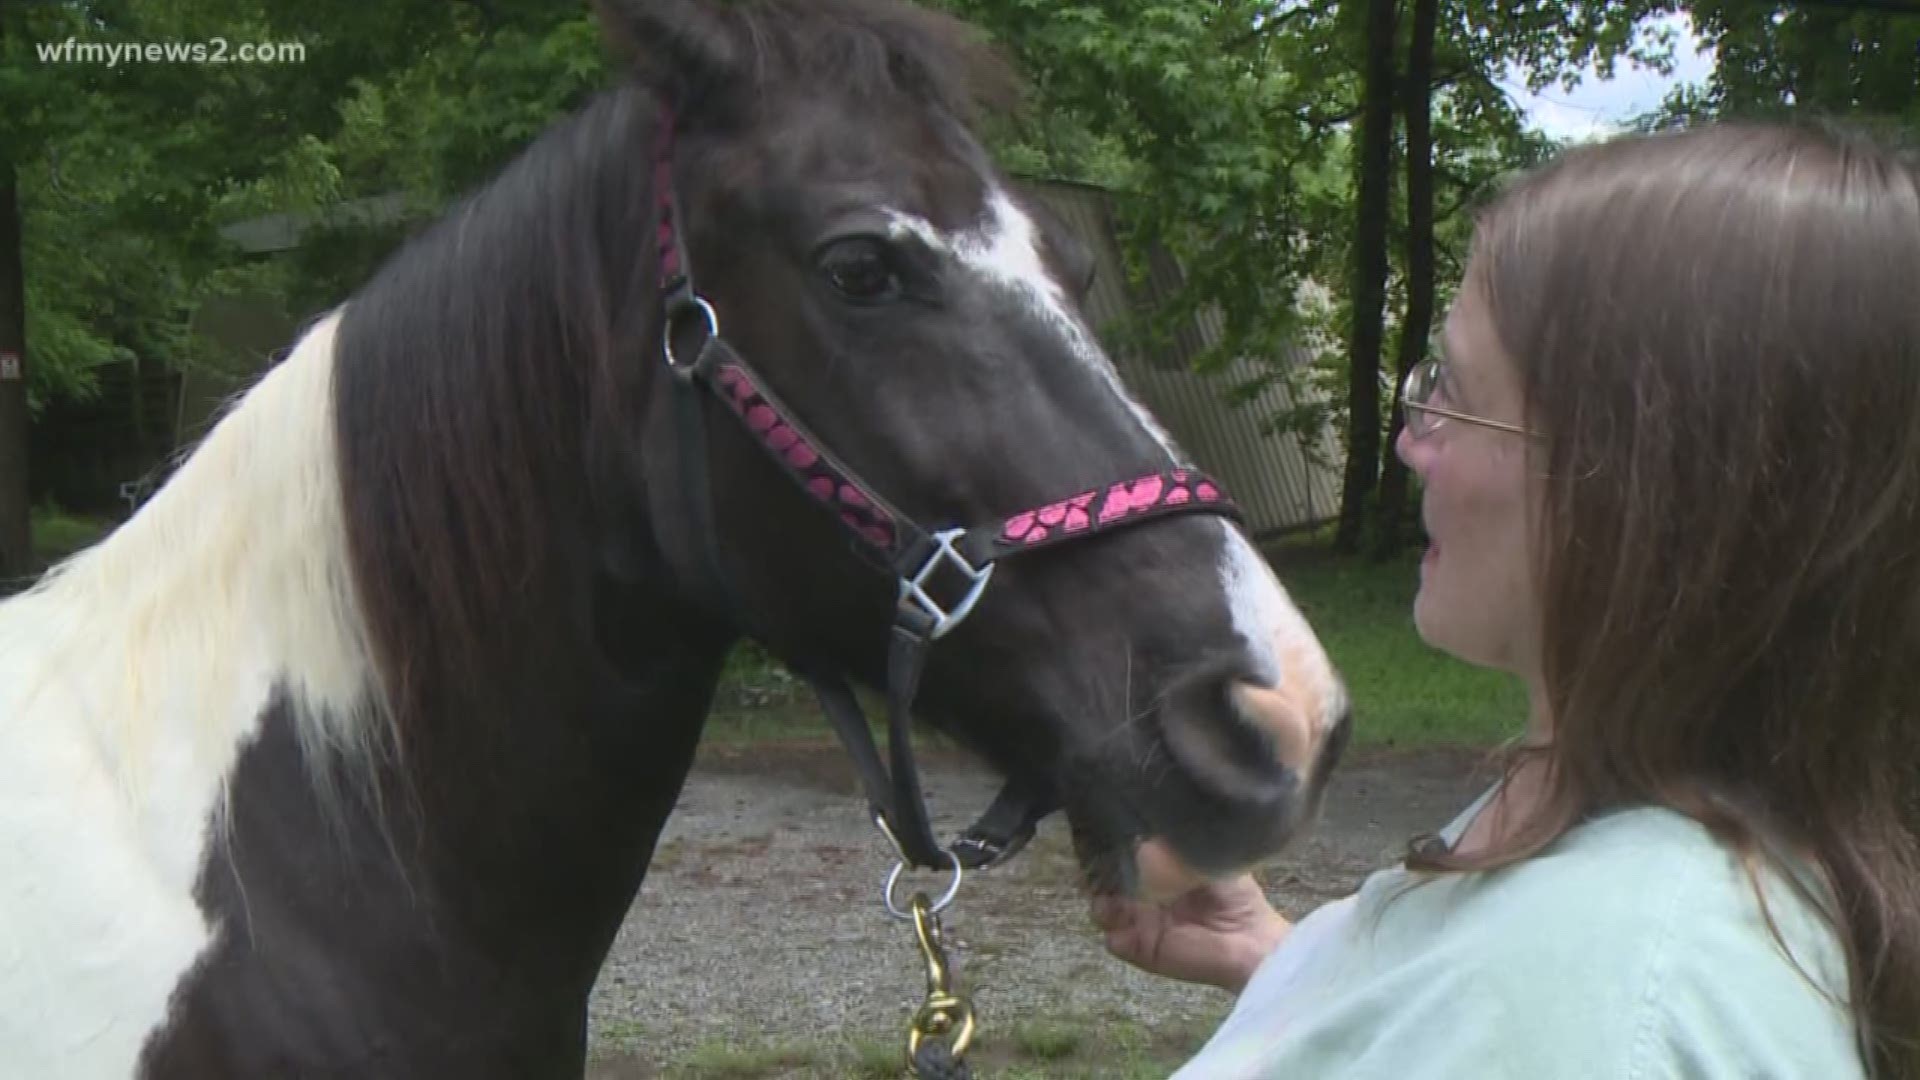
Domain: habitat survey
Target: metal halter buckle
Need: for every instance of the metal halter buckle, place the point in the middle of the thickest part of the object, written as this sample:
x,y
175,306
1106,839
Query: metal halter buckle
x,y
913,589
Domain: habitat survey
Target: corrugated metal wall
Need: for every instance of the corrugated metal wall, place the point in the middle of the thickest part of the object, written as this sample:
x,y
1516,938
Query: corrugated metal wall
x,y
1271,476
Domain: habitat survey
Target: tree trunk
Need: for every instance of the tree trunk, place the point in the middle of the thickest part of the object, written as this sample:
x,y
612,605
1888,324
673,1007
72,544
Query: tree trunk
x,y
1417,106
16,548
1374,150
16,533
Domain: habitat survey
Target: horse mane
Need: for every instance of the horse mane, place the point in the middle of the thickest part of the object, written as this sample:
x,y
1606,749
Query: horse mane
x,y
489,375
469,369
231,580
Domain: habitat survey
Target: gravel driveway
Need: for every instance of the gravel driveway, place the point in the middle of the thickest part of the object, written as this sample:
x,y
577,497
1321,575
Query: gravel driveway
x,y
761,916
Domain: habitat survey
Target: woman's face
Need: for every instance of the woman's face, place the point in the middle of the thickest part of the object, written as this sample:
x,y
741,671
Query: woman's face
x,y
1477,599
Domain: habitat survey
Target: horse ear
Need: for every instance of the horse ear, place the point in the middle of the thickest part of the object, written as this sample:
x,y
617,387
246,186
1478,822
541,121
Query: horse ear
x,y
677,46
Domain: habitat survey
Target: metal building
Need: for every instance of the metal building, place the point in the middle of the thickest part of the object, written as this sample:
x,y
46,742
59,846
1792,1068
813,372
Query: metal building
x,y
1275,479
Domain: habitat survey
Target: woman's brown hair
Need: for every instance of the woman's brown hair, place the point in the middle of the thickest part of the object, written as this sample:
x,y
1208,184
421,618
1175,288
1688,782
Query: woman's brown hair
x,y
1718,334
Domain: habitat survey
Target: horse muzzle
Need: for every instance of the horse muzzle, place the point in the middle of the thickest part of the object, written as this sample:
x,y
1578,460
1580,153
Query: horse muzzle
x,y
1223,774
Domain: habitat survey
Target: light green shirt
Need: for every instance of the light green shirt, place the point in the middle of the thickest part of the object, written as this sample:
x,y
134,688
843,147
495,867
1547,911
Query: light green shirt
x,y
1634,948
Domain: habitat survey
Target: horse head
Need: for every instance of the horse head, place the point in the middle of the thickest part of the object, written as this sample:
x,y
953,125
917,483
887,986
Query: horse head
x,y
899,331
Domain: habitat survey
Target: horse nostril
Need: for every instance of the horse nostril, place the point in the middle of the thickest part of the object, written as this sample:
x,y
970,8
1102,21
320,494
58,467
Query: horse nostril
x,y
1234,739
1285,723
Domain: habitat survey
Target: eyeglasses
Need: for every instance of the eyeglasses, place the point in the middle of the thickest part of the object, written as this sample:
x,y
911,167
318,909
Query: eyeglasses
x,y
1422,414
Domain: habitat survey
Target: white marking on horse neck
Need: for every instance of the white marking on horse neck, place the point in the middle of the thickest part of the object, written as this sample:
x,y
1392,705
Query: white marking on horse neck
x,y
130,680
1005,250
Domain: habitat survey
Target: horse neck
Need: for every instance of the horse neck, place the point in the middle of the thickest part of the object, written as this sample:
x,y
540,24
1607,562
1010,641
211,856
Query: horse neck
x,y
213,653
537,799
544,695
223,666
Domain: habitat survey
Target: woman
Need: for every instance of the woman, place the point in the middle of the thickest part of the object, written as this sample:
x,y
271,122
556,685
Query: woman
x,y
1670,456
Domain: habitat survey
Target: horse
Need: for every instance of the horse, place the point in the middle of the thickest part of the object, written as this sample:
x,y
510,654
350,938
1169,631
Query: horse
x,y
347,754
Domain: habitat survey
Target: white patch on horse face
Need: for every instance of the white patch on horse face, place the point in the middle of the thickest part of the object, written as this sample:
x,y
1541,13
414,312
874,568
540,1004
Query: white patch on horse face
x,y
130,680
1283,647
1286,653
1006,251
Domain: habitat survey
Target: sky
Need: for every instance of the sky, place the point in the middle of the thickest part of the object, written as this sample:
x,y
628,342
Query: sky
x,y
1595,107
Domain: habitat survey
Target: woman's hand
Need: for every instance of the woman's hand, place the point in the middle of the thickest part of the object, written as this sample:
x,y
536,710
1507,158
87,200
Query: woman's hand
x,y
1215,933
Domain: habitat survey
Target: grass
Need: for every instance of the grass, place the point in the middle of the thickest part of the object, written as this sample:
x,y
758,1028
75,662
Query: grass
x,y
728,1060
869,1058
1406,693
58,534
1048,1040
1034,1048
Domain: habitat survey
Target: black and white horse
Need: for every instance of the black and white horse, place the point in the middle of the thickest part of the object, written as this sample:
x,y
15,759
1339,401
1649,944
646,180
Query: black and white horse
x,y
348,753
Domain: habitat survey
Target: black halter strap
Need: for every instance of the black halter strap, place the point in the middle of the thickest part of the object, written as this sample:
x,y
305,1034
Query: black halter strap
x,y
889,540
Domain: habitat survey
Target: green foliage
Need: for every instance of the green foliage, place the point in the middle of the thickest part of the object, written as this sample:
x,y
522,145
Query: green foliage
x,y
1217,127
1793,60
1222,127
124,168
752,678
128,171
443,125
1225,130
97,291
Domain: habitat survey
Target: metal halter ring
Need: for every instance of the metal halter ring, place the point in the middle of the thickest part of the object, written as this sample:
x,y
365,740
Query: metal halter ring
x,y
946,898
699,303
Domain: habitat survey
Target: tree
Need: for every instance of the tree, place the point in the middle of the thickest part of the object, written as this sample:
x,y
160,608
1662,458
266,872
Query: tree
x,y
1373,164
1201,118
16,534
1232,133
1837,58
1461,135
115,178
1416,97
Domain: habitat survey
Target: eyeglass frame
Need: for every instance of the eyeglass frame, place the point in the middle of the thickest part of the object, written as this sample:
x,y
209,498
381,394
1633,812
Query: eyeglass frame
x,y
1439,414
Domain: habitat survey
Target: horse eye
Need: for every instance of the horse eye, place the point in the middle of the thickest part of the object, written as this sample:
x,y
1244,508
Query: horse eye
x,y
860,269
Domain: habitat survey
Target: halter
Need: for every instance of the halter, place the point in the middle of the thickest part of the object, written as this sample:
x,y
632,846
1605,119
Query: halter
x,y
891,542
